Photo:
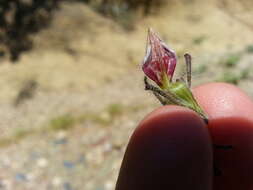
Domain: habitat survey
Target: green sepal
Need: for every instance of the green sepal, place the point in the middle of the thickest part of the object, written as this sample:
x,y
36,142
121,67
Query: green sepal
x,y
184,95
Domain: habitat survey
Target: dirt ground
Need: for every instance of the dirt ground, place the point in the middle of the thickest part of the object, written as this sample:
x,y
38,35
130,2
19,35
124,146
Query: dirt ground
x,y
70,129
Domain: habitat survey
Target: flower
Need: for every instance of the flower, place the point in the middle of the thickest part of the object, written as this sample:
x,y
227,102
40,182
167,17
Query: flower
x,y
160,61
159,65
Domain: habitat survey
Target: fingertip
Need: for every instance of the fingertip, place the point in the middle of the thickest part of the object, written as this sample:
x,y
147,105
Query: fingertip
x,y
230,113
222,100
170,148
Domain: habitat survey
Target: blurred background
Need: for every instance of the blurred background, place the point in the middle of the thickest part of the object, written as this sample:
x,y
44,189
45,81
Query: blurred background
x,y
71,87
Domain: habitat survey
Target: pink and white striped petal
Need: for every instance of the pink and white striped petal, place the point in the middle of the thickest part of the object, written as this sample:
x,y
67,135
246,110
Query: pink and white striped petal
x,y
159,60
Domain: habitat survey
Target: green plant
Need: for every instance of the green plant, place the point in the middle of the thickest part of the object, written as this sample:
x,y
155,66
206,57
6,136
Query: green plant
x,y
115,109
123,11
17,136
231,60
249,48
63,122
109,114
245,73
108,6
199,40
230,77
200,69
21,133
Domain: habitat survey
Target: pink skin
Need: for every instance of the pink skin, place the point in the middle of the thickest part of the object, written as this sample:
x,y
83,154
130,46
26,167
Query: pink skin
x,y
230,123
170,149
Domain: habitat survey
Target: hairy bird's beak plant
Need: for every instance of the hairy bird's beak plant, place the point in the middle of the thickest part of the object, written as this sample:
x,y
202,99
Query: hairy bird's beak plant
x,y
159,65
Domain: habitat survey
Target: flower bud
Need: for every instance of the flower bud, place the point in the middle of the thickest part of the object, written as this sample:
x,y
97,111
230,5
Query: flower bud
x,y
160,61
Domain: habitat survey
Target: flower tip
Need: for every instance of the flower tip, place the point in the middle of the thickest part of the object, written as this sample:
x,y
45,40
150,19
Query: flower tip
x,y
150,30
153,38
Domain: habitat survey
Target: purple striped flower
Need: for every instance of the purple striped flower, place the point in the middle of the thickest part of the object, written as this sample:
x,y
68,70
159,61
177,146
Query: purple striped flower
x,y
160,61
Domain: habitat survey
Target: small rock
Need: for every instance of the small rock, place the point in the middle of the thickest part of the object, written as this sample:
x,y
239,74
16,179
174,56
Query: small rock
x,y
107,147
2,186
81,159
68,164
109,185
67,186
60,141
99,188
34,155
57,181
30,176
5,162
21,177
42,162
5,184
61,135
